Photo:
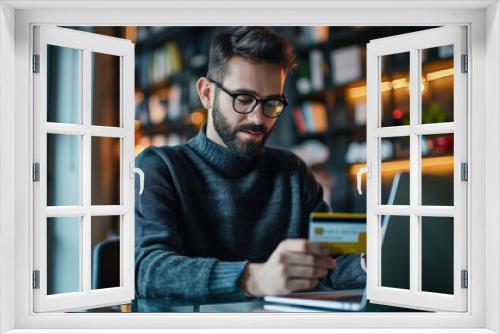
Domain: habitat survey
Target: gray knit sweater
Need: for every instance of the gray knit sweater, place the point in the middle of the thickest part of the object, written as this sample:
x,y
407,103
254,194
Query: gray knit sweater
x,y
205,212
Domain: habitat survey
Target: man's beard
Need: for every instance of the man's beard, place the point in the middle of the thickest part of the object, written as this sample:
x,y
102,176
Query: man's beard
x,y
247,149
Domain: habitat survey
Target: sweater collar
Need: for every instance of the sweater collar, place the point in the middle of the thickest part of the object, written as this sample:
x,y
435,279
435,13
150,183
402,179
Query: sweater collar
x,y
220,157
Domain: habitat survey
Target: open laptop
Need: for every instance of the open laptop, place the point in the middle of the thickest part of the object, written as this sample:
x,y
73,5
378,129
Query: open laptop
x,y
395,252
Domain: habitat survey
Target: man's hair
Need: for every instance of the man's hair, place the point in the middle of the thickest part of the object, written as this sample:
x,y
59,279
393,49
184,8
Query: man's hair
x,y
254,44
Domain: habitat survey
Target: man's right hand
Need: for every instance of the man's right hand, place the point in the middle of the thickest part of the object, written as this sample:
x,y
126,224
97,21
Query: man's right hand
x,y
296,264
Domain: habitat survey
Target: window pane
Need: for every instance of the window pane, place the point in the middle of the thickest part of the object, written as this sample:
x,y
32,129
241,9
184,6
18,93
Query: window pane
x,y
395,259
63,169
394,89
63,84
105,171
63,255
105,231
395,156
437,254
437,83
437,169
105,89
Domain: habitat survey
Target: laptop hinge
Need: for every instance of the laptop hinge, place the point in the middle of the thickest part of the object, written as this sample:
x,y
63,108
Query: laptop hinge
x,y
464,279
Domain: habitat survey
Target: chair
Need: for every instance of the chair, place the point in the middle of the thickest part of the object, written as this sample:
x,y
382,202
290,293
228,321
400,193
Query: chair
x,y
104,273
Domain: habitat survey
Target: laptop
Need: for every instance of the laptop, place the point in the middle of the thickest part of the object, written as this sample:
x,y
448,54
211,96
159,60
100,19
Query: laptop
x,y
344,234
323,301
395,252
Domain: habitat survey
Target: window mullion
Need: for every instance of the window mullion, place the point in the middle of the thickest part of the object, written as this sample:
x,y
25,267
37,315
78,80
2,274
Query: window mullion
x,y
87,171
414,171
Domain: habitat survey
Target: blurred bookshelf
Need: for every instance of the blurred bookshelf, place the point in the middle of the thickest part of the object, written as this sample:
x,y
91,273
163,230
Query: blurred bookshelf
x,y
326,94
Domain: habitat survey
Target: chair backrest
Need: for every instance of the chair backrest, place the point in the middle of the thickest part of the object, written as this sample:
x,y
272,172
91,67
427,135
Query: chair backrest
x,y
106,264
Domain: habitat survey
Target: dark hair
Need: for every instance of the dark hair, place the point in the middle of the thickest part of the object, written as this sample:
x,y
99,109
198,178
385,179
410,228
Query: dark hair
x,y
255,44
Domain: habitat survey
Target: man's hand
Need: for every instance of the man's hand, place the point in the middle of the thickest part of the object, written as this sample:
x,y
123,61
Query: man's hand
x,y
296,264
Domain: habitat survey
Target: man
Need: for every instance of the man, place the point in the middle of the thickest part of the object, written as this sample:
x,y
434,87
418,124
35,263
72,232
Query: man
x,y
223,218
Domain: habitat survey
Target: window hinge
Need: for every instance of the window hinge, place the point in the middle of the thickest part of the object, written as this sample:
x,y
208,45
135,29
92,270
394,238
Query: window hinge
x,y
464,171
36,279
36,172
465,279
36,63
465,64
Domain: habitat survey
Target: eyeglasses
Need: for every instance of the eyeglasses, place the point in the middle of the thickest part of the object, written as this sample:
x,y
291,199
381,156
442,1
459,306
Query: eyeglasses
x,y
244,103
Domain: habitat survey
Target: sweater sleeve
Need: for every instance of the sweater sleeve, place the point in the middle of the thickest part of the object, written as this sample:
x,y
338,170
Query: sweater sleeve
x,y
162,268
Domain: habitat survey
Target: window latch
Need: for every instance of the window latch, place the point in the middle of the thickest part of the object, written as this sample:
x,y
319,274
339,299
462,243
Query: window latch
x,y
365,170
135,170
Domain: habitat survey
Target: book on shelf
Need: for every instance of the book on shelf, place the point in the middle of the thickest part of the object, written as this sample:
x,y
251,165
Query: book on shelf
x,y
360,108
314,34
310,72
174,103
303,76
163,62
346,65
310,117
316,63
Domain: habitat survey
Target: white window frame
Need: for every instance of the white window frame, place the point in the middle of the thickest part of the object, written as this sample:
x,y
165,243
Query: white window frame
x,y
16,20
413,43
86,43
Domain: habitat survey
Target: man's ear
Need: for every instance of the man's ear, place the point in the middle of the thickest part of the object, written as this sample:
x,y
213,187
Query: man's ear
x,y
204,88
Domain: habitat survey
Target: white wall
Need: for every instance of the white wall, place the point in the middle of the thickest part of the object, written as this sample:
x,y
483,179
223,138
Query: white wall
x,y
6,165
493,162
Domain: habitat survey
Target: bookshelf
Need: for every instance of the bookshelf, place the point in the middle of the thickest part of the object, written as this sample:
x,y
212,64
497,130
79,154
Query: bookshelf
x,y
326,93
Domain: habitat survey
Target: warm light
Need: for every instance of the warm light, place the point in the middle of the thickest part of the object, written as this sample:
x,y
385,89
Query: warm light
x,y
197,117
139,96
137,125
138,149
439,74
131,33
386,86
434,166
399,83
356,92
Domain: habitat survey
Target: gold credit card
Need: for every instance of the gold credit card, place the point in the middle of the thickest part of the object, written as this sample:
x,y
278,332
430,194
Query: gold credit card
x,y
344,233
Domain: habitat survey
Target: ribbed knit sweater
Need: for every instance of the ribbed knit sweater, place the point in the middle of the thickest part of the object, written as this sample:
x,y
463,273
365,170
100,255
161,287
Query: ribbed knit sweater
x,y
206,211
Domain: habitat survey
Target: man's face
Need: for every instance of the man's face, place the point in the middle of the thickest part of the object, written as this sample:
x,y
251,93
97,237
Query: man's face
x,y
246,134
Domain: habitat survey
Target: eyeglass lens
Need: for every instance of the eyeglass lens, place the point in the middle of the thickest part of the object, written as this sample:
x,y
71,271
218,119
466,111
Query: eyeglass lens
x,y
246,104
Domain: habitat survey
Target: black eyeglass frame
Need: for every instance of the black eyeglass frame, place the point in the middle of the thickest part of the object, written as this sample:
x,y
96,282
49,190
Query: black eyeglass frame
x,y
262,101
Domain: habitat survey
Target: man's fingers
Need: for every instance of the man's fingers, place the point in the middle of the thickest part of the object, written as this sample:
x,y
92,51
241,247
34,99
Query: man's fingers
x,y
304,246
318,248
306,272
301,284
310,260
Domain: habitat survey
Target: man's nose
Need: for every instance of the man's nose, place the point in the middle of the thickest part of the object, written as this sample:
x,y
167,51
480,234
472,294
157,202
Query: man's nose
x,y
257,116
